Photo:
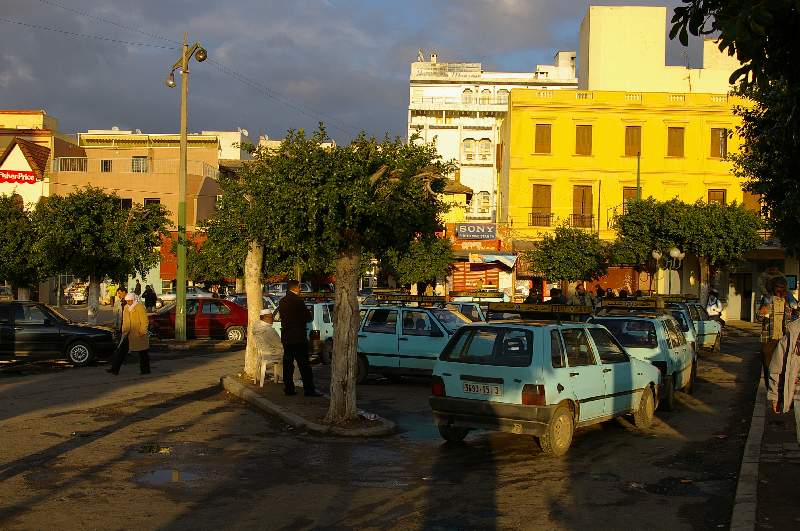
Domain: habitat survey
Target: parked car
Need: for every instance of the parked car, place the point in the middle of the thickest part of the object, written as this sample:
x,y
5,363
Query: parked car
x,y
191,291
76,292
279,288
205,318
471,310
709,331
320,329
538,378
241,299
6,294
31,330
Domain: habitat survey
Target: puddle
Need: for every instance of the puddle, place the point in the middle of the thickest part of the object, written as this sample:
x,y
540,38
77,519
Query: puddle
x,y
167,475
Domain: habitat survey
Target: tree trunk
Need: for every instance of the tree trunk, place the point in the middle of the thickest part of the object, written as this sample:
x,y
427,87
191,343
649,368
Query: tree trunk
x,y
93,299
705,279
23,293
239,285
344,364
252,284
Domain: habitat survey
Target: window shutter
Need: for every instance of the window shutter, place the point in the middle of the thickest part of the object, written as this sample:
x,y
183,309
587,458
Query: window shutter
x,y
719,143
583,139
716,196
541,198
633,140
542,141
675,141
628,194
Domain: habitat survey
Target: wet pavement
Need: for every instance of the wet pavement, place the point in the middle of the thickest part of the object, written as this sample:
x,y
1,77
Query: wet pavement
x,y
83,450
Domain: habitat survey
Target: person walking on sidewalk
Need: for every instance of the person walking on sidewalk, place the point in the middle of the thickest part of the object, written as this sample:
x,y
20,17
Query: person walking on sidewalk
x,y
134,329
118,305
776,313
137,290
714,307
150,298
783,384
294,317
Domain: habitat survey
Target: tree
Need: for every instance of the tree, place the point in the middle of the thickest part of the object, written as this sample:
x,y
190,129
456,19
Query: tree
x,y
19,264
86,234
762,35
425,260
569,255
313,204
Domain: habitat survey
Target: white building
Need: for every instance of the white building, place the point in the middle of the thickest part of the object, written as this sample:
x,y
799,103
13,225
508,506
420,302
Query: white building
x,y
460,107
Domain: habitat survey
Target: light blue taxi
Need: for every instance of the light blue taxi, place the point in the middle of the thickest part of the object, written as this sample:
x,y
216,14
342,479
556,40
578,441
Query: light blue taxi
x,y
709,331
650,333
401,339
540,378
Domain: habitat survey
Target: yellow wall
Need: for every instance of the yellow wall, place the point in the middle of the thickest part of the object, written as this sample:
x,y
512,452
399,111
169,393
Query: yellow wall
x,y
607,170
458,208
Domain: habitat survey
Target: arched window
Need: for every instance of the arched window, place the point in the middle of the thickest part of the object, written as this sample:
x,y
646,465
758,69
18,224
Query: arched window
x,y
485,150
502,96
468,149
466,96
486,96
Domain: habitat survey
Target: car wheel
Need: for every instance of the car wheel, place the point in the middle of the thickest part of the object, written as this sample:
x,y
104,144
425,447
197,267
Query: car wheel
x,y
643,416
80,353
557,437
235,333
717,348
452,433
689,389
668,399
362,369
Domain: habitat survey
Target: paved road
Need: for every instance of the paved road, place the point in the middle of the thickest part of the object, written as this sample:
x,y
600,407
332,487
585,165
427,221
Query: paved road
x,y
84,450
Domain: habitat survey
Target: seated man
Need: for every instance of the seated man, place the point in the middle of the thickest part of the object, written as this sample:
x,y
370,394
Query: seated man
x,y
269,346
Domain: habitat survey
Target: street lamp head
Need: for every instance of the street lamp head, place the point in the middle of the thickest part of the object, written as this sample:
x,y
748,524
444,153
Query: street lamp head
x,y
170,82
681,256
656,254
675,252
201,55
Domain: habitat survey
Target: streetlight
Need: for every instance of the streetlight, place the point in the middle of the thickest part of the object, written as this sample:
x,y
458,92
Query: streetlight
x,y
200,54
676,256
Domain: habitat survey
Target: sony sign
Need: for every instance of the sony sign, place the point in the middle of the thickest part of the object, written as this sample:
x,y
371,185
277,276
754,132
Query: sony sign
x,y
476,231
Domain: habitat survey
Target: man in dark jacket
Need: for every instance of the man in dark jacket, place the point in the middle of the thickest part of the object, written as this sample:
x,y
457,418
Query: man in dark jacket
x,y
294,316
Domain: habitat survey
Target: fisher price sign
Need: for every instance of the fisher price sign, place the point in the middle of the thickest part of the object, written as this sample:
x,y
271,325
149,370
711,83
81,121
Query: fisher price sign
x,y
17,176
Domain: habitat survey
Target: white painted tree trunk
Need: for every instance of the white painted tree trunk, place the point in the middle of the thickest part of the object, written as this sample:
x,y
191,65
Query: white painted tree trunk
x,y
239,285
705,279
23,293
344,363
253,264
93,296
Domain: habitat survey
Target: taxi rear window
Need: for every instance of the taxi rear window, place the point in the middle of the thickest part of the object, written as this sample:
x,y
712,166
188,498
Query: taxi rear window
x,y
507,347
633,333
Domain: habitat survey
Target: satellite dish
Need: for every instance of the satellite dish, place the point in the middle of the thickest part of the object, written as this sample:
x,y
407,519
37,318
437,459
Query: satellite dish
x,y
245,132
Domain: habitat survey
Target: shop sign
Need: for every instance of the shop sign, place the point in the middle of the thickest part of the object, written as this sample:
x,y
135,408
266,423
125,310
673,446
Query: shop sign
x,y
17,176
476,231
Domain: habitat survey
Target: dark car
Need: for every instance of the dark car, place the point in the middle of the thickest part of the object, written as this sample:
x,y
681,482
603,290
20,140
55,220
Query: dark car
x,y
33,330
214,318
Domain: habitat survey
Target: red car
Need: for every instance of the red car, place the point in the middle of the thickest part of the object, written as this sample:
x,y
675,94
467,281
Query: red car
x,y
215,318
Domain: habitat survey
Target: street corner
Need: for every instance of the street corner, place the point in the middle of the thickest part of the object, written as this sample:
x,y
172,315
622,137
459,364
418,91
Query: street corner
x,y
303,412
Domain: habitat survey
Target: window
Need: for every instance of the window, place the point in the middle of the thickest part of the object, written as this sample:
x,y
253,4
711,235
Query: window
x,y
139,164
418,323
152,201
719,143
483,201
466,96
633,140
607,347
583,139
628,194
191,307
468,149
542,140
485,146
633,333
695,315
381,322
515,349
541,215
675,141
556,349
486,96
582,206
125,204
29,314
475,345
216,308
106,166
716,196
326,313
491,346
676,327
502,96
576,344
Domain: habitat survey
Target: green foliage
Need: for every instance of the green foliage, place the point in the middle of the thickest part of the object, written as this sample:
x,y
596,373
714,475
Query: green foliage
x,y
87,234
571,254
18,261
425,260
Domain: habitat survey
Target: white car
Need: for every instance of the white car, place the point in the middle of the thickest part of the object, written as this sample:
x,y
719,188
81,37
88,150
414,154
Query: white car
x,y
191,291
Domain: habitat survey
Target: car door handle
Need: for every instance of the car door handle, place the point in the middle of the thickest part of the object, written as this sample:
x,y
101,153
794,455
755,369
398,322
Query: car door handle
x,y
402,339
606,370
574,374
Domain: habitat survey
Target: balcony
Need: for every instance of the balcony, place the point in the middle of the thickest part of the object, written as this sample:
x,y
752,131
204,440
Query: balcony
x,y
472,102
540,219
132,165
581,221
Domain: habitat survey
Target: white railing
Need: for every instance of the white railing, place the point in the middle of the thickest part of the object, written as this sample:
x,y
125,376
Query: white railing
x,y
132,165
474,99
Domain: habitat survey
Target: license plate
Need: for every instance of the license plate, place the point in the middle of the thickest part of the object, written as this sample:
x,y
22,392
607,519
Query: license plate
x,y
483,389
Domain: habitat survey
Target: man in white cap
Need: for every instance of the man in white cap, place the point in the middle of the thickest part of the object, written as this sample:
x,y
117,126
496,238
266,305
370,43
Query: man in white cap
x,y
268,342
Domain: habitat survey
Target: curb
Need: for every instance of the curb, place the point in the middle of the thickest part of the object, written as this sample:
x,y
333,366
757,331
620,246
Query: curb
x,y
220,346
746,501
237,388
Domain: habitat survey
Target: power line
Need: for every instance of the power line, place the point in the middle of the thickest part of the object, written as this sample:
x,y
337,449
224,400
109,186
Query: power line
x,y
87,35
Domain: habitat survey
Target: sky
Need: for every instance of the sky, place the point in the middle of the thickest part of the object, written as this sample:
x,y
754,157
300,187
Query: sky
x,y
273,65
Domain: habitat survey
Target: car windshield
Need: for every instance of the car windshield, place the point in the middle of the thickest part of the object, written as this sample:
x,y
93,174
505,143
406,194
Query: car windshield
x,y
632,333
451,320
681,318
58,315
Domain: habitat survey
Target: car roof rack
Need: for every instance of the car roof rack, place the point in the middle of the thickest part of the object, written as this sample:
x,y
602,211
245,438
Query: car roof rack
x,y
317,295
545,312
405,297
477,294
634,304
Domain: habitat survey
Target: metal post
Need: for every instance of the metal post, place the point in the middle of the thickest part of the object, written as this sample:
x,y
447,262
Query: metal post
x,y
638,176
180,299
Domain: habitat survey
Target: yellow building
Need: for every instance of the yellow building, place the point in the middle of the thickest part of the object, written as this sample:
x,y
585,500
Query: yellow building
x,y
571,156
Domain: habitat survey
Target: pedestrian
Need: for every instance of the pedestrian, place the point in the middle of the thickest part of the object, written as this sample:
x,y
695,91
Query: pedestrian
x,y
118,306
623,294
775,311
294,316
556,297
714,307
149,297
581,297
134,330
599,292
783,381
268,344
138,289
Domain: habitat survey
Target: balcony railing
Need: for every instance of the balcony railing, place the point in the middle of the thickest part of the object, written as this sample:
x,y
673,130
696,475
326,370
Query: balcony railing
x,y
475,99
132,166
582,221
540,219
